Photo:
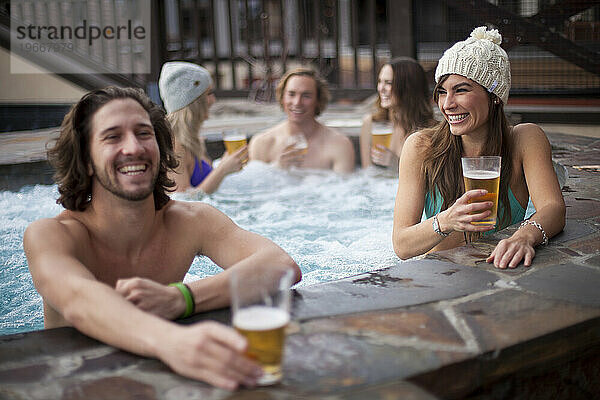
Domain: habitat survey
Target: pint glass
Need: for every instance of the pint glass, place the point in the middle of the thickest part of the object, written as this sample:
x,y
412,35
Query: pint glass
x,y
298,142
261,313
381,134
483,173
233,140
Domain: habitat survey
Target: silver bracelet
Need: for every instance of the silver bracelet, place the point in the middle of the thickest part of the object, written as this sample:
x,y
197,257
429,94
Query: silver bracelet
x,y
537,225
436,227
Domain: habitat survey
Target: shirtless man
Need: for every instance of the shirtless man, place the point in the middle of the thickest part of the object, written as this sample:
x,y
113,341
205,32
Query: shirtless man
x,y
104,264
303,95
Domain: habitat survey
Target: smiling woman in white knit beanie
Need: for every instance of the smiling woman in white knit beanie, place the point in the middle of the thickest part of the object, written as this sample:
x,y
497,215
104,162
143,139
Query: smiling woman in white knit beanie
x,y
433,212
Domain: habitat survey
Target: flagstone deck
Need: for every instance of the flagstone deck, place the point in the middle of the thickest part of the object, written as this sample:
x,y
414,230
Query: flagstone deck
x,y
447,325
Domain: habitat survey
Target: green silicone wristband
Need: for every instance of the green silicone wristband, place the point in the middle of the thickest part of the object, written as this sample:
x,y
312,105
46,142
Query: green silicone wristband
x,y
188,297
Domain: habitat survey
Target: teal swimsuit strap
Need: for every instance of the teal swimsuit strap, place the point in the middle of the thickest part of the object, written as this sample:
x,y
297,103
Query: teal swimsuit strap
x,y
517,210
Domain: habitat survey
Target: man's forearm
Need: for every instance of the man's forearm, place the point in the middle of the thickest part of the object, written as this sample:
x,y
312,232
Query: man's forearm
x,y
214,292
100,312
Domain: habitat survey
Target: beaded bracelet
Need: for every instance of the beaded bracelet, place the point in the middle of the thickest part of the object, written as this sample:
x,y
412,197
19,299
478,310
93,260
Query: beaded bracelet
x,y
537,225
188,296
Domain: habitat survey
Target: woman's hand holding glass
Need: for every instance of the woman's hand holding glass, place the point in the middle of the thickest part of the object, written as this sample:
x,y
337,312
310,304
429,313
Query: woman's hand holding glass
x,y
460,216
236,150
234,162
381,138
381,155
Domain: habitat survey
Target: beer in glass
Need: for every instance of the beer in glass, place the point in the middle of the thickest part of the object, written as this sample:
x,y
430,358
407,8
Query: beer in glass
x,y
264,328
298,141
261,312
483,173
233,140
381,134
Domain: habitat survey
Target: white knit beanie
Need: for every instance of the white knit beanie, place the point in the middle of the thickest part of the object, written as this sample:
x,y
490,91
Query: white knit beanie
x,y
180,83
481,59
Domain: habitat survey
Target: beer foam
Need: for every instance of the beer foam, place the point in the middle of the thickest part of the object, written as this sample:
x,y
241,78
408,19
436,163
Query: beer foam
x,y
381,131
480,174
234,138
260,318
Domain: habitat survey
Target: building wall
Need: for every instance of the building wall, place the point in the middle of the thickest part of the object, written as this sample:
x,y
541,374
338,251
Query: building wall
x,y
38,88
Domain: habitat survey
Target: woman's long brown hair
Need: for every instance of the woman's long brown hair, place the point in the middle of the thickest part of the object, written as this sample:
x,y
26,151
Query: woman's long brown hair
x,y
442,166
412,109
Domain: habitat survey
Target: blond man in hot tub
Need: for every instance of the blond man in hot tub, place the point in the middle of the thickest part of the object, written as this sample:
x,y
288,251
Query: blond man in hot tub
x,y
302,141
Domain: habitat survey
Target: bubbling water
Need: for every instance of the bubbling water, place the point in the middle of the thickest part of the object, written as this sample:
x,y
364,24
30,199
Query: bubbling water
x,y
332,225
20,305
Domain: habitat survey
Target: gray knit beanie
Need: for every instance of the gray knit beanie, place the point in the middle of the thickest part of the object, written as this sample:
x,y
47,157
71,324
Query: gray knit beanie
x,y
481,59
180,83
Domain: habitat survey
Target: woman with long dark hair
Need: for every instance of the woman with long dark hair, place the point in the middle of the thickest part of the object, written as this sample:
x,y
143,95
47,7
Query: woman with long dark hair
x,y
403,103
473,81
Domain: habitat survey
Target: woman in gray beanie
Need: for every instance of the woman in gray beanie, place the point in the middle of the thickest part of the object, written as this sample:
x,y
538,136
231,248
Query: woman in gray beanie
x,y
187,94
472,86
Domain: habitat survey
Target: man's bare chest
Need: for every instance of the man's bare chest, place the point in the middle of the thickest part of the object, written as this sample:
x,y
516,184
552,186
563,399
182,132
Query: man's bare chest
x,y
161,262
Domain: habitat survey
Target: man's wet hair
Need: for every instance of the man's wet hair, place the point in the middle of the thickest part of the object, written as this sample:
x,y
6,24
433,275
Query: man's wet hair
x,y
70,155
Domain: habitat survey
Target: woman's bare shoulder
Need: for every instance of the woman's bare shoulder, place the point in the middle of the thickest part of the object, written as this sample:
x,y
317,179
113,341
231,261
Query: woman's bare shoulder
x,y
528,134
527,128
419,139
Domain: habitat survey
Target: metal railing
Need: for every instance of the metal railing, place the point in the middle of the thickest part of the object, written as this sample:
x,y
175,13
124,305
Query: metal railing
x,y
554,45
247,44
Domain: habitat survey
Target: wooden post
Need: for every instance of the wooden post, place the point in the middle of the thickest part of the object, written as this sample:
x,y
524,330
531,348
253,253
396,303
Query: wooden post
x,y
400,28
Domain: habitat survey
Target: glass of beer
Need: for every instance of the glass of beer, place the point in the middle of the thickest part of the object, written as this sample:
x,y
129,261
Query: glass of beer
x,y
233,140
298,141
381,134
483,173
260,305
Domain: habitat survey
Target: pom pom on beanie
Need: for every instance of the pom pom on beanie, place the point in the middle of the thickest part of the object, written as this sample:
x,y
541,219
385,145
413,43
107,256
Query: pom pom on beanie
x,y
481,59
